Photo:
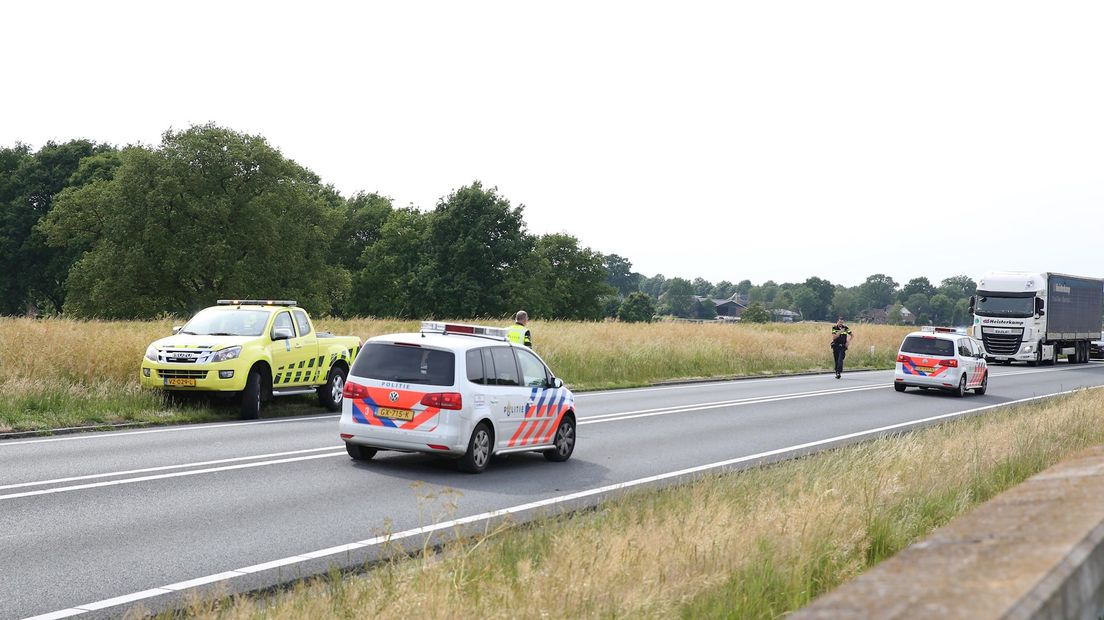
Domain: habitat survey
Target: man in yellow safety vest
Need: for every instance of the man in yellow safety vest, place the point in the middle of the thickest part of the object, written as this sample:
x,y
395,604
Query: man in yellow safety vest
x,y
518,332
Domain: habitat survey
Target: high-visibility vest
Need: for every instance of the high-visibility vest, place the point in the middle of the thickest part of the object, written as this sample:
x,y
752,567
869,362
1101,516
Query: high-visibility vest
x,y
520,334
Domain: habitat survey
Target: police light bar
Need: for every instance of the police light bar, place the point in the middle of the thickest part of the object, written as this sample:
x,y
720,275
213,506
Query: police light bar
x,y
944,330
257,302
436,327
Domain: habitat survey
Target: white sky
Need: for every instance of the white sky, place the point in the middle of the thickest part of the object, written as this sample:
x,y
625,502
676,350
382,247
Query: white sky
x,y
766,140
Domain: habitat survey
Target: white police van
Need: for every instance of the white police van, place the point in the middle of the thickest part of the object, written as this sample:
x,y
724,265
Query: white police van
x,y
458,390
944,358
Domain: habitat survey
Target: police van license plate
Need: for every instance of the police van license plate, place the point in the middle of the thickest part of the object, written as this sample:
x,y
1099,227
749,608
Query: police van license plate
x,y
395,414
181,382
925,368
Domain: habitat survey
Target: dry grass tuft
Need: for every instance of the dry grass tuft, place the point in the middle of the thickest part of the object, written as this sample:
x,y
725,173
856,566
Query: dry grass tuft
x,y
755,544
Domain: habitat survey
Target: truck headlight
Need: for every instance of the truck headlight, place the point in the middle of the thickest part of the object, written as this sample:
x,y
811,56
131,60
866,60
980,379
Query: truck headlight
x,y
151,353
1027,349
228,353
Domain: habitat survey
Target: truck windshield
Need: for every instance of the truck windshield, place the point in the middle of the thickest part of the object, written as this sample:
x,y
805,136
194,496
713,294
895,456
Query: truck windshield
x,y
991,305
219,322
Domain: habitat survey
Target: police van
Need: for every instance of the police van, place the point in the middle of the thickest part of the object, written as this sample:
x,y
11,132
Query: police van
x,y
943,358
459,390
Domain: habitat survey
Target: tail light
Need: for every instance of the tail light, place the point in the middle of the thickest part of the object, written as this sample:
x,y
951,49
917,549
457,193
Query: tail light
x,y
442,400
953,363
902,358
354,390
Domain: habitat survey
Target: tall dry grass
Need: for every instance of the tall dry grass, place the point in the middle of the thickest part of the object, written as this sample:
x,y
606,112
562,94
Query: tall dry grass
x,y
62,372
756,544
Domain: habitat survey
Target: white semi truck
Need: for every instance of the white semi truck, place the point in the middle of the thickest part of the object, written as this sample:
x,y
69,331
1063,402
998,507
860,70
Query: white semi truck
x,y
1037,317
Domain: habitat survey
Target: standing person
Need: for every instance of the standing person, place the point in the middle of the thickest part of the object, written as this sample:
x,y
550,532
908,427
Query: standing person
x,y
841,338
519,331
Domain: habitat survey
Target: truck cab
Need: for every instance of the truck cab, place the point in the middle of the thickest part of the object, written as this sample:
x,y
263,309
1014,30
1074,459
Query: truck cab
x,y
1036,317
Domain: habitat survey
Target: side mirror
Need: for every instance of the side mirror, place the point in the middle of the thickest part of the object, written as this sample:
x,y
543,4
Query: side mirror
x,y
1039,305
973,303
281,333
177,328
556,382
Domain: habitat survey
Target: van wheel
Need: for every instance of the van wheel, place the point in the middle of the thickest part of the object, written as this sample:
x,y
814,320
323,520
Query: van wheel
x,y
478,455
358,452
332,394
251,396
984,385
564,441
961,391
900,387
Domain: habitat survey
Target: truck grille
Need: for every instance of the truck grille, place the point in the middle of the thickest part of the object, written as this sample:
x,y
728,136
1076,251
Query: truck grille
x,y
174,373
1001,344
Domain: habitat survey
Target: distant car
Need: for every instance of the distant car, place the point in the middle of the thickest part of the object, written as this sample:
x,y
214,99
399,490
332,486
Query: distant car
x,y
459,390
1096,348
943,358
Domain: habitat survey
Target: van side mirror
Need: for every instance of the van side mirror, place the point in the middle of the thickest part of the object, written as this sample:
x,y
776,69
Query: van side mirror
x,y
281,333
555,383
177,328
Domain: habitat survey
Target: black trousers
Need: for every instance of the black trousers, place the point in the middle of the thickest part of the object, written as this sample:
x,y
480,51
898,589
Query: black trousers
x,y
839,353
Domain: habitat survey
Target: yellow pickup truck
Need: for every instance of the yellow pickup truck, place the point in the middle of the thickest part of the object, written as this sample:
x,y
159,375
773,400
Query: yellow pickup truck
x,y
260,348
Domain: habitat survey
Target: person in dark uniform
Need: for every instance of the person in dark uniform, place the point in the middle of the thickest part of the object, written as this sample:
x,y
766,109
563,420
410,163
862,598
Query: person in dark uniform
x,y
841,338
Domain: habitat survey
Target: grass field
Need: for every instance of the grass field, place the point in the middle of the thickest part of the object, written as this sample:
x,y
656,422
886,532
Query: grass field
x,y
60,372
754,544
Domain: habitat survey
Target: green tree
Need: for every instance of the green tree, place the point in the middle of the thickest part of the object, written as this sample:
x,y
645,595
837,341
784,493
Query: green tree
x,y
941,309
784,300
572,280
621,276
918,305
474,262
703,308
825,291
808,303
744,287
756,313
382,285
957,287
678,299
611,304
877,291
844,303
209,213
702,287
363,218
962,312
654,286
32,273
919,285
637,308
723,290
894,314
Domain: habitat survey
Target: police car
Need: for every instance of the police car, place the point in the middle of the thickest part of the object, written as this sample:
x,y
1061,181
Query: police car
x,y
459,390
943,358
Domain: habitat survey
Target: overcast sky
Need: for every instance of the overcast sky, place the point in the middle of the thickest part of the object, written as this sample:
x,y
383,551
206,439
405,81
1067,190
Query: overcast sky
x,y
765,140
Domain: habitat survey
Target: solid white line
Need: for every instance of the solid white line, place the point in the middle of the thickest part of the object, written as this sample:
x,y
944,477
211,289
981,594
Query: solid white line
x,y
179,474
552,501
750,399
755,401
162,468
169,429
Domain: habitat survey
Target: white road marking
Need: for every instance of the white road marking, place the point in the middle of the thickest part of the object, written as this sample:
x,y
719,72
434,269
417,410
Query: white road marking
x,y
161,468
179,474
645,413
502,512
168,429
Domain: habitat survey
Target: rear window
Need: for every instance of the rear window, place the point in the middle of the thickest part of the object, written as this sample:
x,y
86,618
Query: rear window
x,y
922,345
405,364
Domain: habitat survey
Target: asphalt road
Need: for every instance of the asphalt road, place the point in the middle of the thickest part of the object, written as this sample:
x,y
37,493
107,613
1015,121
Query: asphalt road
x,y
92,523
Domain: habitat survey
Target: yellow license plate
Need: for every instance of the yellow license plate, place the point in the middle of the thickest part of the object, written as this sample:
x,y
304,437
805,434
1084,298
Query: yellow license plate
x,y
925,368
395,414
181,382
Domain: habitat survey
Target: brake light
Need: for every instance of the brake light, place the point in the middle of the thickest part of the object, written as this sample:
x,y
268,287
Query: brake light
x,y
952,363
443,400
901,357
354,390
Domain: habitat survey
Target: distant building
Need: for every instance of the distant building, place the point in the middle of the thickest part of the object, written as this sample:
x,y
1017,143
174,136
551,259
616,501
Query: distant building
x,y
730,307
784,316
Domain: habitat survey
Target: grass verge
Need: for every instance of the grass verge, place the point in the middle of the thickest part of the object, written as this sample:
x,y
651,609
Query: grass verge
x,y
753,544
61,372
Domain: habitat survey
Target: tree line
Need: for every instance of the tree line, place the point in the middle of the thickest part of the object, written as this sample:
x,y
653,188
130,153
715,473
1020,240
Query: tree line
x,y
92,230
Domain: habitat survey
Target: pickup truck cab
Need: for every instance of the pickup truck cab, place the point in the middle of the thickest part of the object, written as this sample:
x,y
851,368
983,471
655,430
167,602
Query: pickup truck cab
x,y
256,348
